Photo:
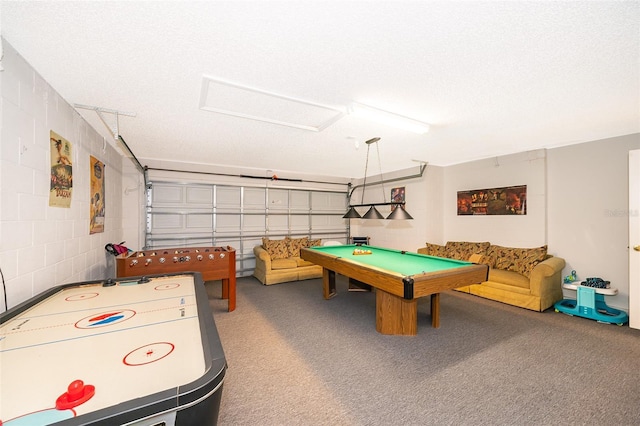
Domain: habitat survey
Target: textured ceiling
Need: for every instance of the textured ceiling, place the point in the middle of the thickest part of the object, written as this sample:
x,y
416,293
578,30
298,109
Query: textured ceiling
x,y
492,78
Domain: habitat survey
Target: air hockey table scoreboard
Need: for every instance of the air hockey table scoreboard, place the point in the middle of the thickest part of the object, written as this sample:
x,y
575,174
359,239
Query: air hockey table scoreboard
x,y
134,350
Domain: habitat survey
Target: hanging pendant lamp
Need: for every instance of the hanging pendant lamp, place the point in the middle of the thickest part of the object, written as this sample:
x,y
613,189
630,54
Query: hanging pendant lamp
x,y
398,213
352,213
373,213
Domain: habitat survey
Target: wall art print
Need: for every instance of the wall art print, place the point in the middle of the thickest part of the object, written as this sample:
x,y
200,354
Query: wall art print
x,y
96,212
61,171
511,200
397,196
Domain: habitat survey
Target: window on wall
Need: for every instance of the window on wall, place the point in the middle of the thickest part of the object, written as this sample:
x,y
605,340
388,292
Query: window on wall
x,y
197,214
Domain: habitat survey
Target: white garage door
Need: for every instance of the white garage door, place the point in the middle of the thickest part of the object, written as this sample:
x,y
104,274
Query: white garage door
x,y
197,214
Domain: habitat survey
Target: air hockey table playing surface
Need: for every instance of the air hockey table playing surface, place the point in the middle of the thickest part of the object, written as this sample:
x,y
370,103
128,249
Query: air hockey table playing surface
x,y
136,350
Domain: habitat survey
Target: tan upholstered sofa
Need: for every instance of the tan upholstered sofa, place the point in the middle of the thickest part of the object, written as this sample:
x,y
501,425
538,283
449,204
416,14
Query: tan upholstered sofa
x,y
526,277
278,261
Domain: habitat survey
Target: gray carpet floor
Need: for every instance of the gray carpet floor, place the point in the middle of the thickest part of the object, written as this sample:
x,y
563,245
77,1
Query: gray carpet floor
x,y
297,359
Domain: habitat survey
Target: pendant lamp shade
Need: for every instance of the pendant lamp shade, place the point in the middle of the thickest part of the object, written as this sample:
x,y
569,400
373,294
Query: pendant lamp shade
x,y
352,214
399,213
373,213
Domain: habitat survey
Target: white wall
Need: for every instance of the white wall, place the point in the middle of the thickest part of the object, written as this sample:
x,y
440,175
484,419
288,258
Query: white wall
x,y
42,246
527,168
423,197
431,200
588,210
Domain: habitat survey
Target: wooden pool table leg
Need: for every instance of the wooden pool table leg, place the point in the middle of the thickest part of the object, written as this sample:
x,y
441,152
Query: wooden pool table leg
x,y
328,283
396,315
435,310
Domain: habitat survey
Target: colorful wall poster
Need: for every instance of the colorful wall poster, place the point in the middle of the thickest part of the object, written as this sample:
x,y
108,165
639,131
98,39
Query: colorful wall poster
x,y
96,213
397,196
511,200
61,171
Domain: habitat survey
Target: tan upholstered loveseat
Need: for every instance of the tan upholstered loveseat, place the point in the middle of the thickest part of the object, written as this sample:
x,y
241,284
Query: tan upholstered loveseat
x,y
278,261
525,277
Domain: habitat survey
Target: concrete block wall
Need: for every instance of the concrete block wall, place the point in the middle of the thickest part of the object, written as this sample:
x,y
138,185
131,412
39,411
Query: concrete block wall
x,y
43,246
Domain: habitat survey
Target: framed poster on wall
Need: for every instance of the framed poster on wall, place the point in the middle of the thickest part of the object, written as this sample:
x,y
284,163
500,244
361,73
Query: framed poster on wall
x,y
61,178
510,200
397,196
96,208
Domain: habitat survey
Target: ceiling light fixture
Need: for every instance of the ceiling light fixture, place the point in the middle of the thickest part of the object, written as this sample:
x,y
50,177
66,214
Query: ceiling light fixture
x,y
373,213
388,118
238,100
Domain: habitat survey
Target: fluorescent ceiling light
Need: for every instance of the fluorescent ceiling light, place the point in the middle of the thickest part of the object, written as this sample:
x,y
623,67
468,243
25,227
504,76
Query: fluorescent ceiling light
x,y
388,118
242,101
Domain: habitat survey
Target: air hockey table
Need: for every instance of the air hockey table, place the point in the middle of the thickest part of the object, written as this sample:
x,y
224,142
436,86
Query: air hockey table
x,y
135,350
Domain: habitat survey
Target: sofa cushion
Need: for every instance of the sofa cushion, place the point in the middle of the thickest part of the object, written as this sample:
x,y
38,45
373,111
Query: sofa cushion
x,y
462,250
504,293
287,263
510,278
301,262
277,249
436,250
481,259
295,244
314,243
520,260
492,254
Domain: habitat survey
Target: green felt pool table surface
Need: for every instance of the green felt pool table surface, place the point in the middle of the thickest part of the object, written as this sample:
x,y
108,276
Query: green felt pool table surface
x,y
407,263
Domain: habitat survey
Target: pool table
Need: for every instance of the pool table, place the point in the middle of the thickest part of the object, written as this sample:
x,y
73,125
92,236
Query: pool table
x,y
399,278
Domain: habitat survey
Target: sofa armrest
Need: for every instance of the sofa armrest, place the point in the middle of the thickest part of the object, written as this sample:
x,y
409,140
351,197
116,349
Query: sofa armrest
x,y
546,277
263,259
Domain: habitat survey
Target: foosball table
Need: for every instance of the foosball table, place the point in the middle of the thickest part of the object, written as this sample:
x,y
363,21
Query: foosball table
x,y
214,263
